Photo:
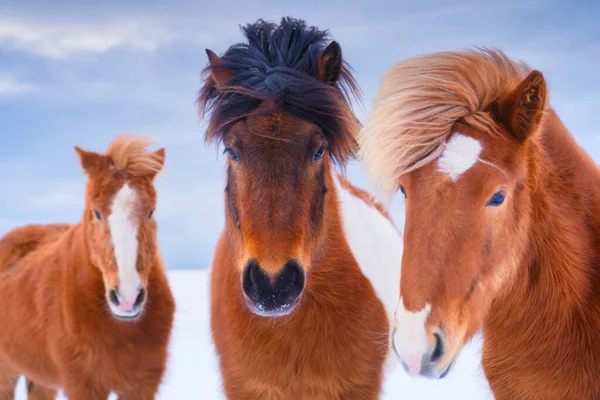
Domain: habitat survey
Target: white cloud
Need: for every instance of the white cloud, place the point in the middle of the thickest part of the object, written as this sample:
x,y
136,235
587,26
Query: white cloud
x,y
140,89
10,86
61,39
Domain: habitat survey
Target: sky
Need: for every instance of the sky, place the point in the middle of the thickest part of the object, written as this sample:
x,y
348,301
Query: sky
x,y
79,73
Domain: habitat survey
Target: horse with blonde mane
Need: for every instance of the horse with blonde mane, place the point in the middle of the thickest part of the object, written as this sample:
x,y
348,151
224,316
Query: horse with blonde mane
x,y
502,224
87,307
305,275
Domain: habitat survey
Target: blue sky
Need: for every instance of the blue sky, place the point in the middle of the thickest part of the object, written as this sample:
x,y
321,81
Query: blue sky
x,y
78,73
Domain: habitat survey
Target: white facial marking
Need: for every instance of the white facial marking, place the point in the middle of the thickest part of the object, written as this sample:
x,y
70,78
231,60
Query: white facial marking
x,y
460,154
124,230
410,338
376,246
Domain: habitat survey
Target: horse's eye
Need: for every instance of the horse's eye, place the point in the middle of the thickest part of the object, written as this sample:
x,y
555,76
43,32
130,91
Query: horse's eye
x,y
232,154
151,214
403,190
97,215
319,154
497,199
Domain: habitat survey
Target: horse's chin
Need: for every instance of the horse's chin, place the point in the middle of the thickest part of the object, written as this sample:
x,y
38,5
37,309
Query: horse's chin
x,y
132,317
442,372
127,317
431,373
276,312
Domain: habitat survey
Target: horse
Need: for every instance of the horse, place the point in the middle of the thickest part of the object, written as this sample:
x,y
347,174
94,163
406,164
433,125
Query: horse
x,y
502,228
305,275
87,307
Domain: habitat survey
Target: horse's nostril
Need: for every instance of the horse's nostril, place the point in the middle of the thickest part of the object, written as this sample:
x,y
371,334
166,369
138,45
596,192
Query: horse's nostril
x,y
254,273
289,276
292,276
438,351
255,282
140,298
112,295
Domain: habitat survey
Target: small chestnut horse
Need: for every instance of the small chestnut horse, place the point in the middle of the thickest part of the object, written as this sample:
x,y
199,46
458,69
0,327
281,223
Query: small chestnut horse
x,y
87,307
502,224
305,275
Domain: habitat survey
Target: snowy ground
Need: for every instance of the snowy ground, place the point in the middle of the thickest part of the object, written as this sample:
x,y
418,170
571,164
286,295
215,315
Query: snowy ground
x,y
193,373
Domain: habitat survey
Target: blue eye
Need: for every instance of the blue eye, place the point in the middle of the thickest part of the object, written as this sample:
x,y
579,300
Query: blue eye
x,y
151,214
97,215
403,190
232,154
319,154
497,199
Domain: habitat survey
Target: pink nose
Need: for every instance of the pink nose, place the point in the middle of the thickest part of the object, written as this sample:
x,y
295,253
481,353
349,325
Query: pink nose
x,y
413,362
129,303
426,362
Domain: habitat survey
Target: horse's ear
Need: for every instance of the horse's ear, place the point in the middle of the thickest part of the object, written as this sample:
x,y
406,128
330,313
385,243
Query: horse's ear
x,y
218,74
160,158
92,162
329,63
521,111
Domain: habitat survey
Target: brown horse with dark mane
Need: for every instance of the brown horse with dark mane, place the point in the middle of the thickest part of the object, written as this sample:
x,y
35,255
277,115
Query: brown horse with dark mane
x,y
305,275
502,224
87,307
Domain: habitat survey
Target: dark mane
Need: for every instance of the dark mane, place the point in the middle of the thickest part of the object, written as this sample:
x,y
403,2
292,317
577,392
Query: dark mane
x,y
279,64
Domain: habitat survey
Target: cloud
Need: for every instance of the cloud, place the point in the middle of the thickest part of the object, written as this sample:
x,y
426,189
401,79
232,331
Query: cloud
x,y
10,86
99,70
61,39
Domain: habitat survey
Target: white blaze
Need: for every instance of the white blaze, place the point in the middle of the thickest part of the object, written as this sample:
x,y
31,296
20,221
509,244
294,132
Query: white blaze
x,y
124,230
410,338
460,154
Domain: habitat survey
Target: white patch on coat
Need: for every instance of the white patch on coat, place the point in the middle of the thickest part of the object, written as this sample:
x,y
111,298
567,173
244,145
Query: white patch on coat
x,y
124,231
410,338
377,248
460,153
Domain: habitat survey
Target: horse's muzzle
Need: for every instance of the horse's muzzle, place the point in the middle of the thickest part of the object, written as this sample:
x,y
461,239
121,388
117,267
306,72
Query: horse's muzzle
x,y
273,296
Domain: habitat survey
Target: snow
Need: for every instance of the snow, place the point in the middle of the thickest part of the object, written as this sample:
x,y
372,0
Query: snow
x,y
193,371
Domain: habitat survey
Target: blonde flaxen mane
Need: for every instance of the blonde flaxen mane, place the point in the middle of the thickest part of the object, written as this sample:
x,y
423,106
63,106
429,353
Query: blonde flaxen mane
x,y
422,98
131,154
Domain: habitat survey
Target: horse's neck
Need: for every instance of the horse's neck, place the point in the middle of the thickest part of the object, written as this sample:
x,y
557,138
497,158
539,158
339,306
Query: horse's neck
x,y
561,270
372,239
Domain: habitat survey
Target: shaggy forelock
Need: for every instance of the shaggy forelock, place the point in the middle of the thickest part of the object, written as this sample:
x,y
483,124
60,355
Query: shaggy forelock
x,y
422,98
130,154
279,64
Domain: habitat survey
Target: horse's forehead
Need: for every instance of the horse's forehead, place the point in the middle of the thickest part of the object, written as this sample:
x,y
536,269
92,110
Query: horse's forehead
x,y
278,125
460,153
124,202
127,193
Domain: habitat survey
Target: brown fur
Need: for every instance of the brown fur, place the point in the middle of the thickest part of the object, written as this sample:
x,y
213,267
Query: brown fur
x,y
528,270
333,344
282,209
57,329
